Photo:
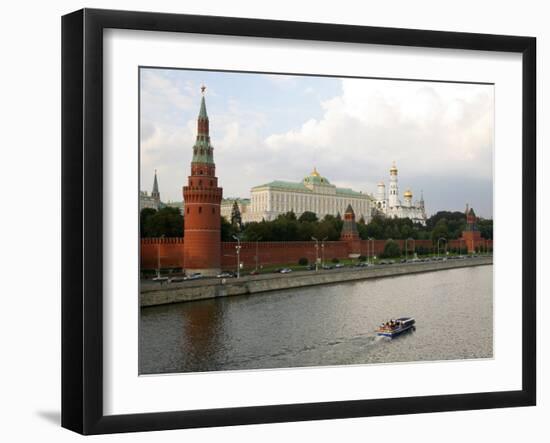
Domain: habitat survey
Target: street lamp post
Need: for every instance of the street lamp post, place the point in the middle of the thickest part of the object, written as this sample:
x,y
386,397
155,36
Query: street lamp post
x,y
407,249
371,240
316,253
440,238
238,249
323,251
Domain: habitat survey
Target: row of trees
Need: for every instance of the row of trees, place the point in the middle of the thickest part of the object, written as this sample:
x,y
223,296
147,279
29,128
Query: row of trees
x,y
287,227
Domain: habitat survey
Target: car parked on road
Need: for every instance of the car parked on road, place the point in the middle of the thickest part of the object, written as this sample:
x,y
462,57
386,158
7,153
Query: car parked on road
x,y
285,270
225,275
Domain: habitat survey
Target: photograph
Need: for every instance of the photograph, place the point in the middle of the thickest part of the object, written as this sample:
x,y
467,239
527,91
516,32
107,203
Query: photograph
x,y
299,220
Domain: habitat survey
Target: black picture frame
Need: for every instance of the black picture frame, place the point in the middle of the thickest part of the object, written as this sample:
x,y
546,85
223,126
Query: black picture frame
x,y
82,218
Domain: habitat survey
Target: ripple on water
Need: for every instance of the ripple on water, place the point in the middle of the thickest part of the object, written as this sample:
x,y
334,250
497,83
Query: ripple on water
x,y
324,326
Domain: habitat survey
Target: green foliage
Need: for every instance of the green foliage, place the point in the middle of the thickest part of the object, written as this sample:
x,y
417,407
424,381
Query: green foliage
x,y
391,250
362,258
440,230
335,260
236,220
308,216
303,261
455,222
167,222
286,227
228,230
485,226
144,215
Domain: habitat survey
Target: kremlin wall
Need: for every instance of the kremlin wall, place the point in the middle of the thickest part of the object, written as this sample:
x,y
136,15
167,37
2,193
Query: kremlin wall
x,y
201,249
273,253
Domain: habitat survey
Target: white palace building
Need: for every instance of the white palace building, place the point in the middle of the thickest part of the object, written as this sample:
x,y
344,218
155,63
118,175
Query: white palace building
x,y
313,194
316,194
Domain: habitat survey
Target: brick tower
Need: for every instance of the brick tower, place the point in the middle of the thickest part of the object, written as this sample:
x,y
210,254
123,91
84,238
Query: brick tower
x,y
202,198
471,236
349,232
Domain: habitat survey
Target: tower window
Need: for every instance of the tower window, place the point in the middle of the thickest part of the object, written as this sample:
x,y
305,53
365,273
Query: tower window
x,y
213,210
200,209
188,210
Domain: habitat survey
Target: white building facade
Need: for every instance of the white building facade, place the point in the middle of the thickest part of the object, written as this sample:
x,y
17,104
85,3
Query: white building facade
x,y
313,194
391,206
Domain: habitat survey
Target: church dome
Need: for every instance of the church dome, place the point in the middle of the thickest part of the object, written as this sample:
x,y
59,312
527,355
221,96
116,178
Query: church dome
x,y
393,169
408,194
315,178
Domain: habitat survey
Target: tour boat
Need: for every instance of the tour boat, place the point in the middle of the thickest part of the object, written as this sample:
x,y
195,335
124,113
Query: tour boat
x,y
395,327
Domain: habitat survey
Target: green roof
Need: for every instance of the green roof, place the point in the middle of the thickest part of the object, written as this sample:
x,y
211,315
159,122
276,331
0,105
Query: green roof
x,y
348,191
285,185
293,186
202,111
203,152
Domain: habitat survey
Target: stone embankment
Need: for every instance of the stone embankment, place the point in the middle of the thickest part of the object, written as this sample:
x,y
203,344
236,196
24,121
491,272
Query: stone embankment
x,y
154,293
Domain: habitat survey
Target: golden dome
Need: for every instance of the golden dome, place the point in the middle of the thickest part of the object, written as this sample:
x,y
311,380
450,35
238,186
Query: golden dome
x,y
408,194
393,168
314,173
381,183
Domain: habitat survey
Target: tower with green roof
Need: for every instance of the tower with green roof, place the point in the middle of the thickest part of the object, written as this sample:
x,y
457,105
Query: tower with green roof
x,y
202,203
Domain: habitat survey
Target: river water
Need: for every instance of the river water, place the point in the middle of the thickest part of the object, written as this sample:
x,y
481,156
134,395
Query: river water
x,y
324,325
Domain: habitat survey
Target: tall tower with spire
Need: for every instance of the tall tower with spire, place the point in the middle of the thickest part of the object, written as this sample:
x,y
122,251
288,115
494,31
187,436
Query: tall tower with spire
x,y
393,194
202,199
155,194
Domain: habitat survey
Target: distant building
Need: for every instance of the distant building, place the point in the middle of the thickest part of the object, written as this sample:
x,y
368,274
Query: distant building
x,y
391,206
313,194
151,201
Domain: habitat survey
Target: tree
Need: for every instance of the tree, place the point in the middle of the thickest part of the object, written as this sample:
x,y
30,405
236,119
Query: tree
x,y
227,230
391,250
236,220
166,222
144,215
308,216
485,226
440,230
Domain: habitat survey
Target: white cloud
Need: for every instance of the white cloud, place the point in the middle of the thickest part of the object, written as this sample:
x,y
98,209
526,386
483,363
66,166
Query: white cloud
x,y
430,128
435,132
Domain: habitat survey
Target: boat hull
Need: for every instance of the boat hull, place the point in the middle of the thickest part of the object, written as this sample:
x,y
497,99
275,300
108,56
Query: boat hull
x,y
394,333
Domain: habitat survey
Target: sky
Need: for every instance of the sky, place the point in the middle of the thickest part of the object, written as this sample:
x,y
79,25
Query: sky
x,y
267,127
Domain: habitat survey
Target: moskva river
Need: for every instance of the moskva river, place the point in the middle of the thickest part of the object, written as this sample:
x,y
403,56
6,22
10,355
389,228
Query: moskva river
x,y
324,325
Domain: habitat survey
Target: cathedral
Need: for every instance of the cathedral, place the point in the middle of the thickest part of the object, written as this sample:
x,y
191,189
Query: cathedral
x,y
391,206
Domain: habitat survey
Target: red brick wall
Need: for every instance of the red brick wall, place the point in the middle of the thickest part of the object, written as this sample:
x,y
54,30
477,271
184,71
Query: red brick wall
x,y
171,252
271,253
